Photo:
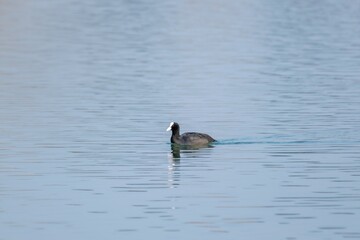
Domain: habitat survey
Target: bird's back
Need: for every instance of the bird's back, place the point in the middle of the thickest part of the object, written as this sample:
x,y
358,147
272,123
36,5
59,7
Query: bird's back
x,y
194,138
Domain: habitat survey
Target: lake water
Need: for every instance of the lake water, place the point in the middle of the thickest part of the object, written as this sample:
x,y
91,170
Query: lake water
x,y
89,87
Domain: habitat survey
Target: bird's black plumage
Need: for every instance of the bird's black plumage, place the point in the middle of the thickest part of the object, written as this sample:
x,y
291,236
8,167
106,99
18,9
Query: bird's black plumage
x,y
188,138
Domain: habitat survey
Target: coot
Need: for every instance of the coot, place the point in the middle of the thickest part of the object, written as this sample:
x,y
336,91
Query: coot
x,y
189,138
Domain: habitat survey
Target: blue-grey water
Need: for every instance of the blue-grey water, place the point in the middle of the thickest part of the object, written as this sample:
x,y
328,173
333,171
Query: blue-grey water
x,y
87,89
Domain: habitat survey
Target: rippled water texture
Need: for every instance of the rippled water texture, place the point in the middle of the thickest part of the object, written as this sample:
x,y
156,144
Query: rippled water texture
x,y
89,87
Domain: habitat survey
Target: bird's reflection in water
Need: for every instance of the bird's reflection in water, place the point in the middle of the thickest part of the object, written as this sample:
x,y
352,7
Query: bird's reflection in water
x,y
174,160
190,151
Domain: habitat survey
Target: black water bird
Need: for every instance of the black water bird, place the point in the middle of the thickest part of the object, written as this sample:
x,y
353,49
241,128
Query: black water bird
x,y
188,138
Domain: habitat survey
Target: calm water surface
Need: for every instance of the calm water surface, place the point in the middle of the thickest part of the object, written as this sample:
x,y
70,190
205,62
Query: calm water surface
x,y
89,87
